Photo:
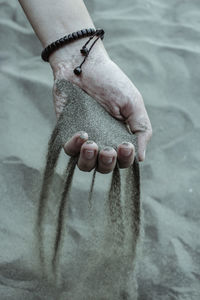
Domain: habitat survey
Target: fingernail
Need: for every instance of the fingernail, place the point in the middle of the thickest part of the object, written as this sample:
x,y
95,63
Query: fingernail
x,y
126,151
107,160
82,135
107,148
89,154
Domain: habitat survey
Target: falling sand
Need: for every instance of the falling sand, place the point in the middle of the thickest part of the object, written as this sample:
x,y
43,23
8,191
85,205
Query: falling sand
x,y
122,233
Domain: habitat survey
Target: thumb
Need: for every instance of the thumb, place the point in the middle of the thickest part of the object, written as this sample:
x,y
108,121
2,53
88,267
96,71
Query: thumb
x,y
142,141
139,124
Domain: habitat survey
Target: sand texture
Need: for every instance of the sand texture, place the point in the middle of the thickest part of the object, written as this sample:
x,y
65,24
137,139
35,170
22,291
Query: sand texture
x,y
156,43
116,246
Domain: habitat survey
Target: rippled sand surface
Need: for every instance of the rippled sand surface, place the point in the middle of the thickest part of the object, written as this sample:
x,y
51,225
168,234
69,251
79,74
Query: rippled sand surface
x,y
156,43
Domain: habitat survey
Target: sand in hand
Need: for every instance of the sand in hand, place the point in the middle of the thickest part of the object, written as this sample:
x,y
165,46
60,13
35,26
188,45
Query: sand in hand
x,y
122,230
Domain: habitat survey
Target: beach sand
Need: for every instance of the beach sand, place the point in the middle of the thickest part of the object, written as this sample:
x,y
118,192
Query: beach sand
x,y
114,247
156,43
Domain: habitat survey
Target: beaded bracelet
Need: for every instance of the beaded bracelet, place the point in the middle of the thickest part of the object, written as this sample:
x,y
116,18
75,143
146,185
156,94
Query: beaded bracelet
x,y
70,38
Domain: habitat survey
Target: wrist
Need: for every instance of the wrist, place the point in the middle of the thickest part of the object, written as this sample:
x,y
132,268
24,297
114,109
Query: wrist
x,y
70,56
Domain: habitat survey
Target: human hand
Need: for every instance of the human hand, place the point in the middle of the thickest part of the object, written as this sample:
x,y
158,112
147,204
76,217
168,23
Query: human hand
x,y
106,83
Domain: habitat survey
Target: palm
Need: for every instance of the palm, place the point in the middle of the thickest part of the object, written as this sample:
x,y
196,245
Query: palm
x,y
108,85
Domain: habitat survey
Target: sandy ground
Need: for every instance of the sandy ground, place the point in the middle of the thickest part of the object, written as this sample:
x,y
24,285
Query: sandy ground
x,y
156,43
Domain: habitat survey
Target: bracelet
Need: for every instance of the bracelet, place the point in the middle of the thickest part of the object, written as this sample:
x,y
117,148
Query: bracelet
x,y
99,33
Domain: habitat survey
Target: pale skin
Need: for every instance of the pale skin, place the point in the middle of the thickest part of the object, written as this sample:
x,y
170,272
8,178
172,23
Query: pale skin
x,y
101,78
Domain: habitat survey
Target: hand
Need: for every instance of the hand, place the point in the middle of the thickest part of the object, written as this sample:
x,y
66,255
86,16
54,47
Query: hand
x,y
106,83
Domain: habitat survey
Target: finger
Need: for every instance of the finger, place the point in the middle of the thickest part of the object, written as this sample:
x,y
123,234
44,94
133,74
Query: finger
x,y
107,160
140,124
73,146
88,156
142,139
125,154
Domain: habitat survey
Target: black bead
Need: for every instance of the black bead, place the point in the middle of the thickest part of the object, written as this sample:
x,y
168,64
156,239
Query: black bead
x,y
80,34
70,37
89,31
57,43
50,48
62,40
84,51
75,35
44,55
84,32
99,32
53,45
77,71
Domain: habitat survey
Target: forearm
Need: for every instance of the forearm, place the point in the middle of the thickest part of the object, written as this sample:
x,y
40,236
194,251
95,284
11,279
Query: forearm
x,y
53,19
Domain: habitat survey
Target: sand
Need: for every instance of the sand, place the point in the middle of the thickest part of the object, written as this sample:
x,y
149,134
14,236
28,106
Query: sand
x,y
156,43
121,231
